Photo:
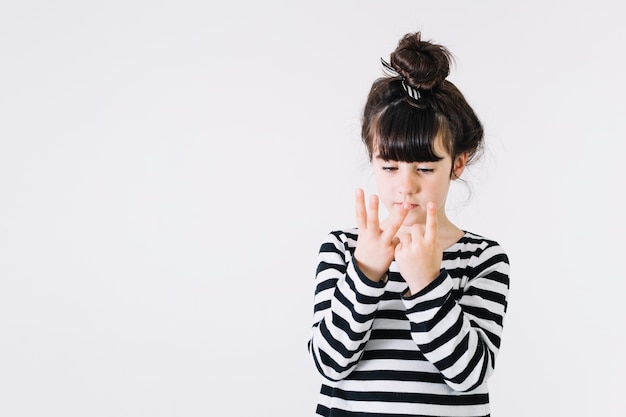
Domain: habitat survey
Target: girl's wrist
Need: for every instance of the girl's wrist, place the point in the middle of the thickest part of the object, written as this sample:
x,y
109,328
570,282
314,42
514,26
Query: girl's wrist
x,y
371,273
416,285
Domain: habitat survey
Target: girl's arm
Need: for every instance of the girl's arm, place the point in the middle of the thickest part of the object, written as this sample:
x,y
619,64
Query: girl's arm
x,y
345,306
462,339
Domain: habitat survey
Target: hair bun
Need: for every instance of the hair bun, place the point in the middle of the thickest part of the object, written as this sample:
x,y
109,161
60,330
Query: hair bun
x,y
422,64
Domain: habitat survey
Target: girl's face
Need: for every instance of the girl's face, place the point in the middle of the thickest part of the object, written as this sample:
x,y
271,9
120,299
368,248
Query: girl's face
x,y
416,182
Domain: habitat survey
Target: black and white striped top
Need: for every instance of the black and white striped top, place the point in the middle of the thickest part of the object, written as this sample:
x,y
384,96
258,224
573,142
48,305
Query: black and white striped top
x,y
429,354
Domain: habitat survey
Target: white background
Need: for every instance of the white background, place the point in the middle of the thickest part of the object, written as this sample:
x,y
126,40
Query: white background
x,y
168,170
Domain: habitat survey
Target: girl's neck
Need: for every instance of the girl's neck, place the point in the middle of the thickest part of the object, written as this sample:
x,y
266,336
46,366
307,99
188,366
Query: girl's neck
x,y
449,234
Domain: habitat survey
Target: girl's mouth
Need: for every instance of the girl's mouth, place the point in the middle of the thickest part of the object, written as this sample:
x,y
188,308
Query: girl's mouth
x,y
411,207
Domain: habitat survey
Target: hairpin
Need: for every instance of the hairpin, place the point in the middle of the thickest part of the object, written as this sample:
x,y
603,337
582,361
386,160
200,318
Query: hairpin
x,y
412,92
389,69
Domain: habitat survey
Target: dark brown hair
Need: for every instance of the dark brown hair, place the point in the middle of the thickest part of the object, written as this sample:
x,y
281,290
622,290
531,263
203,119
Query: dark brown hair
x,y
402,128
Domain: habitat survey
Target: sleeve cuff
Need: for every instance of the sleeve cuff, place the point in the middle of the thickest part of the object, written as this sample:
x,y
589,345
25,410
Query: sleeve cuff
x,y
438,289
363,283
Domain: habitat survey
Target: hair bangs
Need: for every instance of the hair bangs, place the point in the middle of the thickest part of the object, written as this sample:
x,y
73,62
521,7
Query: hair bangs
x,y
408,134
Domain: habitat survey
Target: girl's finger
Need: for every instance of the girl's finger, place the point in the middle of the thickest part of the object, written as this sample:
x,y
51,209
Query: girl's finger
x,y
396,221
417,232
430,233
406,239
372,214
359,204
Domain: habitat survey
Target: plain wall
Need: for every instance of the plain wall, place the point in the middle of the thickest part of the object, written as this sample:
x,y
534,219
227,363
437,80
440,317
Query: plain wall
x,y
168,170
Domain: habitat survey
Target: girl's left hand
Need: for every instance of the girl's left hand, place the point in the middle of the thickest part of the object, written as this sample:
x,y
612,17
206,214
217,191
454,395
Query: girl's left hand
x,y
419,254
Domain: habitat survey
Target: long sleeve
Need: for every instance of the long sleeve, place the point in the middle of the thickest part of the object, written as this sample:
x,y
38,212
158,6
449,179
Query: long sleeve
x,y
345,307
459,330
430,354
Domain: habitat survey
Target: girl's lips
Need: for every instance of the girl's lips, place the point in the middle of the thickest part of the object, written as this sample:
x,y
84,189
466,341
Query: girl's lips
x,y
413,206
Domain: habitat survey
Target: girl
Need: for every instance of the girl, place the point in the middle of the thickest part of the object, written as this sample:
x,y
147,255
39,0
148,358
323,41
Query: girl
x,y
408,311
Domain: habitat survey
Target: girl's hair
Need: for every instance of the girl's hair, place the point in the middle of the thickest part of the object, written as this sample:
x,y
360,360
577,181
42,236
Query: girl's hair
x,y
407,110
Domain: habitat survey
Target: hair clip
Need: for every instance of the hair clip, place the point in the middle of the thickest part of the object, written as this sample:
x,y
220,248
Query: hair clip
x,y
412,92
389,69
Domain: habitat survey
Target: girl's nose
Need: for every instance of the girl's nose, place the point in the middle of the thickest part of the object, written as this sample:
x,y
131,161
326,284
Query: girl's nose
x,y
408,183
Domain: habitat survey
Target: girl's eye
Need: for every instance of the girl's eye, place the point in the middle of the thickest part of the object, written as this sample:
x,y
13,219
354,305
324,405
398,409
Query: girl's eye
x,y
425,170
390,168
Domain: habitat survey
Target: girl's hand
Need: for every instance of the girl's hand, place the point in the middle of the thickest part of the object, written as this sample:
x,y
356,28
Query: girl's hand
x,y
419,254
375,247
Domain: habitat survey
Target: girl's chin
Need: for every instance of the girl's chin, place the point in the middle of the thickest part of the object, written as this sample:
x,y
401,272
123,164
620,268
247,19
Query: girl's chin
x,y
408,223
409,220
414,217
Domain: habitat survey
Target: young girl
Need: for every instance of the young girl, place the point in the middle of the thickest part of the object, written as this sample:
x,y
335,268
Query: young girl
x,y
409,310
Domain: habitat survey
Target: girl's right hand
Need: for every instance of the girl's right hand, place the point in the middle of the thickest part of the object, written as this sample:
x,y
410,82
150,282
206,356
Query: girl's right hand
x,y
375,247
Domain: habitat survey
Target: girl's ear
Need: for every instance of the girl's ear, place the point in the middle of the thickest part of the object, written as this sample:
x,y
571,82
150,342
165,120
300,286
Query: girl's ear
x,y
458,166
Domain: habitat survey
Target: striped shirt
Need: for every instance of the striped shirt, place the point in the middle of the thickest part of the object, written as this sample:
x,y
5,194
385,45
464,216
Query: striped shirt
x,y
382,353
